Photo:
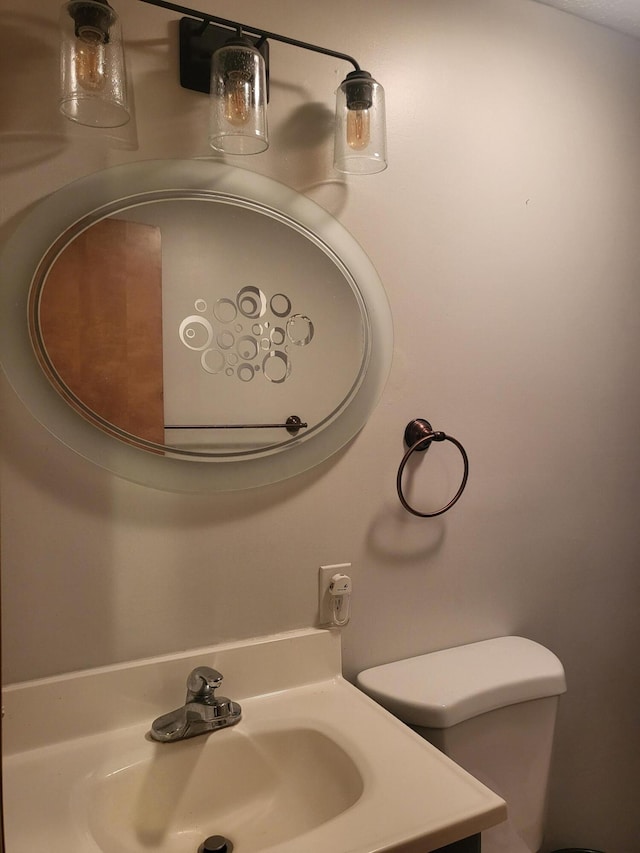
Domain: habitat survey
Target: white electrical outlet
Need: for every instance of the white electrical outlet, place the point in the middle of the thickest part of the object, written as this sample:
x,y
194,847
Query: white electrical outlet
x,y
325,604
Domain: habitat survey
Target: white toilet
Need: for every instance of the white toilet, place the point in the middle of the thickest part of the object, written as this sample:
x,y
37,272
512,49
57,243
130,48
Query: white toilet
x,y
491,707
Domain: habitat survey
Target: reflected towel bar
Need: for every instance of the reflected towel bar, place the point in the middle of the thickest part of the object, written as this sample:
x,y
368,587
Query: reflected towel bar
x,y
292,425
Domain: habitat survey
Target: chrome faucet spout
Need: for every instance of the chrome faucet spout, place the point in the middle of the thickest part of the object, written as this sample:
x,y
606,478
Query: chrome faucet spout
x,y
202,711
202,684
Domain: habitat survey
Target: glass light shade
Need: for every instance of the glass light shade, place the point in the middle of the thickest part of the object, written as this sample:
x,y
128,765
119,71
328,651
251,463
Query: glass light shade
x,y
238,100
93,77
361,134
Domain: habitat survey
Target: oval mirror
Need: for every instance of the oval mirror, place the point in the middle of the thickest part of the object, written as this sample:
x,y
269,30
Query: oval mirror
x,y
193,326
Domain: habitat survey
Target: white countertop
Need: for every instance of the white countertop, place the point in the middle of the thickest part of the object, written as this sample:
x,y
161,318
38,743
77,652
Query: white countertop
x,y
64,736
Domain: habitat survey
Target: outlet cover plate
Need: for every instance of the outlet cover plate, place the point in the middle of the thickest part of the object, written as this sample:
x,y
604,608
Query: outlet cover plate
x,y
325,574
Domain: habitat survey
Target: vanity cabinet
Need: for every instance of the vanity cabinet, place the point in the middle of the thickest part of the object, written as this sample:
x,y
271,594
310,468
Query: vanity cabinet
x,y
472,844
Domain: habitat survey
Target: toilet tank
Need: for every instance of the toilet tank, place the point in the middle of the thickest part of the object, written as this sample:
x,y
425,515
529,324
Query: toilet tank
x,y
491,707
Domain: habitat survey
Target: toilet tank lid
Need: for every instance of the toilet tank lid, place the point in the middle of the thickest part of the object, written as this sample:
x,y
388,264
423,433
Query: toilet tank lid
x,y
442,688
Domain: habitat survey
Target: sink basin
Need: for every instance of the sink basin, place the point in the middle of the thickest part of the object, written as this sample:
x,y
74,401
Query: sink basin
x,y
313,766
257,789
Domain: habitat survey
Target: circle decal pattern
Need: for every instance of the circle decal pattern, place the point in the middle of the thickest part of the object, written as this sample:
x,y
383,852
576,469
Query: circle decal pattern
x,y
212,360
251,302
299,330
224,310
243,350
276,367
196,332
247,348
280,305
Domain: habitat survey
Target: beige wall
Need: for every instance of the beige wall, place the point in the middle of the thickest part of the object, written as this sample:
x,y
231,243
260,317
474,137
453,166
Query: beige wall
x,y
506,232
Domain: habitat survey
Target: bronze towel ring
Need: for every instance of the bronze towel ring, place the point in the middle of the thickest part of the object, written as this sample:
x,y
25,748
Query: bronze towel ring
x,y
418,435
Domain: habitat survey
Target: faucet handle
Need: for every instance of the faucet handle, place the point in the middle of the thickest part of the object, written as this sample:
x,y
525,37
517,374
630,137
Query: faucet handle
x,y
202,682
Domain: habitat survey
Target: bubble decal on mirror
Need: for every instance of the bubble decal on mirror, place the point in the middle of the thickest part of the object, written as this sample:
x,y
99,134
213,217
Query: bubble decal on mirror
x,y
246,372
277,336
196,332
212,360
228,350
247,348
276,367
226,339
299,330
251,302
225,310
280,305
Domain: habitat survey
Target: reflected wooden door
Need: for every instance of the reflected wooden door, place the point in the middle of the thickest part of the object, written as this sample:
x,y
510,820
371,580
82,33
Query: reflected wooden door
x,y
101,321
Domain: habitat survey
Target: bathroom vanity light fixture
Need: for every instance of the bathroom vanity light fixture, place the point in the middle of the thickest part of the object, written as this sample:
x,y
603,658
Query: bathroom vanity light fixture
x,y
93,78
231,61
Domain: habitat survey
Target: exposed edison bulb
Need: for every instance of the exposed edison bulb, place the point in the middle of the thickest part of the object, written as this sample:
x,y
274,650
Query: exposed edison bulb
x,y
90,60
358,128
237,98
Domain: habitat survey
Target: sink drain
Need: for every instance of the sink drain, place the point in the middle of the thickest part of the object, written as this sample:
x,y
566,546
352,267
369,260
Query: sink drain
x,y
216,844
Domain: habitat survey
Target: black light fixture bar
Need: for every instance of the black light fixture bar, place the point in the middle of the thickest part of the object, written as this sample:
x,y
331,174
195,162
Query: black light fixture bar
x,y
233,59
249,30
198,42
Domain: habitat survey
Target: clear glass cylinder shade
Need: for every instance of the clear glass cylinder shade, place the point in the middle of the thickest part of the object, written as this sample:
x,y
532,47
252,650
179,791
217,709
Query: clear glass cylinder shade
x,y
238,100
92,68
361,132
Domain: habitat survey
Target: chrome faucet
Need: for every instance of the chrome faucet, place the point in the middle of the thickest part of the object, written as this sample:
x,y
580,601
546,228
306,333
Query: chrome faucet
x,y
202,711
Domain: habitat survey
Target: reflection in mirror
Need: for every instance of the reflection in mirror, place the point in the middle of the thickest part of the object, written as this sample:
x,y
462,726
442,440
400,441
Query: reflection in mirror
x,y
97,326
179,327
198,324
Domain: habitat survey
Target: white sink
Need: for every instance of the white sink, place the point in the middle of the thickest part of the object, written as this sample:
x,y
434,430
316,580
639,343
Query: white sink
x,y
259,787
314,764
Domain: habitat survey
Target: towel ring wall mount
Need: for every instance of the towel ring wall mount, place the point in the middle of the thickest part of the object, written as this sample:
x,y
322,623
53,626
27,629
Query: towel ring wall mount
x,y
418,436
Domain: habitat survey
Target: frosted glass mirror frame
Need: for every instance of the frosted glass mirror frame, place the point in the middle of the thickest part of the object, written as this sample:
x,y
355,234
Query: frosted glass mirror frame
x,y
44,224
